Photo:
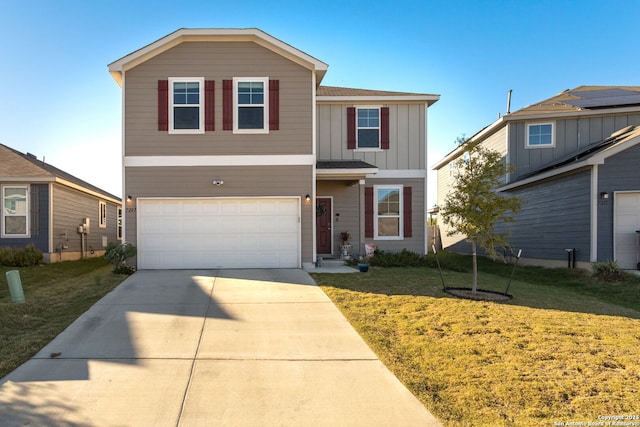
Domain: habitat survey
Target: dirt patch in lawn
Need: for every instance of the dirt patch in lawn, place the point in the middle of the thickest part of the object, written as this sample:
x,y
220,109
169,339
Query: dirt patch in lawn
x,y
479,295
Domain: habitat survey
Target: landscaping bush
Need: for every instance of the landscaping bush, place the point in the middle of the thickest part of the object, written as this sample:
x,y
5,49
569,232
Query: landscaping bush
x,y
607,271
17,257
117,255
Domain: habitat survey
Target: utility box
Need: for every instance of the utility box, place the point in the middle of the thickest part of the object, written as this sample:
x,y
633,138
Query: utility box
x,y
15,286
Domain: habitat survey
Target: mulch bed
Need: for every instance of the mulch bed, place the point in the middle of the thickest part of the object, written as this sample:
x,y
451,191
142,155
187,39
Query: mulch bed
x,y
480,295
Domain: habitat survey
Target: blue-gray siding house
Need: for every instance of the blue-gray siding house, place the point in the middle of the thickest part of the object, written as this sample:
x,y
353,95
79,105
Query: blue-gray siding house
x,y
576,158
44,206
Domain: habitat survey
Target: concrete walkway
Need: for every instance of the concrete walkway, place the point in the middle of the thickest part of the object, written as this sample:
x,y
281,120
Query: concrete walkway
x,y
209,348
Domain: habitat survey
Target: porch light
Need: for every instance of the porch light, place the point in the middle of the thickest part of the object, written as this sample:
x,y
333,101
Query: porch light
x,y
307,198
129,198
604,195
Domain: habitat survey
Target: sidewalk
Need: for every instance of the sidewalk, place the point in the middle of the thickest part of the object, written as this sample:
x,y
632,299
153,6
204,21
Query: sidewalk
x,y
223,348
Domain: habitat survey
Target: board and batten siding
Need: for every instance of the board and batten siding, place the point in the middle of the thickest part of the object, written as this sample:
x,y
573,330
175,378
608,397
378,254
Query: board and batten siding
x,y
70,207
407,139
217,61
618,173
555,216
239,181
570,135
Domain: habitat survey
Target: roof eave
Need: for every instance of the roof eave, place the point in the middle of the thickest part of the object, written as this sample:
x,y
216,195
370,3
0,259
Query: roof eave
x,y
422,99
118,67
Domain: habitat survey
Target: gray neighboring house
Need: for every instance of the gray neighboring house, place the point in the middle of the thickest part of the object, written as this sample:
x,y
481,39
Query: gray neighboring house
x,y
235,156
576,157
45,206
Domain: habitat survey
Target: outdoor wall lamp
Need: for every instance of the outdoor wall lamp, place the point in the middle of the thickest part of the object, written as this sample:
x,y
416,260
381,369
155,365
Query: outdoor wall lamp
x,y
604,195
307,198
129,198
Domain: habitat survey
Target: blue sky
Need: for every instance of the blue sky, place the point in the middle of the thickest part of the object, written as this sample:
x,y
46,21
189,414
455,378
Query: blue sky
x,y
60,102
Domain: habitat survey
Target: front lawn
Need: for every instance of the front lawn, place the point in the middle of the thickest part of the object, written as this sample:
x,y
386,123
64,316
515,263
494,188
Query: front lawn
x,y
565,348
55,295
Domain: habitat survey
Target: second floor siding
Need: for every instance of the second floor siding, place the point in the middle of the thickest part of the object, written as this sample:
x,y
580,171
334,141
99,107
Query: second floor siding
x,y
407,137
218,62
570,135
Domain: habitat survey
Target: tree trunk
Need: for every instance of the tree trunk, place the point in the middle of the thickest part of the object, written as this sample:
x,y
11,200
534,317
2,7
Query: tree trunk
x,y
474,285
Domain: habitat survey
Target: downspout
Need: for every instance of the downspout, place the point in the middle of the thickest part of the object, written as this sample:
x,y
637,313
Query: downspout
x,y
124,186
314,141
593,257
426,182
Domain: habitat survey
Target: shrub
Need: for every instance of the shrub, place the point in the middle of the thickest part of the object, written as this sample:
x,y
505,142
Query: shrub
x,y
607,271
17,257
117,255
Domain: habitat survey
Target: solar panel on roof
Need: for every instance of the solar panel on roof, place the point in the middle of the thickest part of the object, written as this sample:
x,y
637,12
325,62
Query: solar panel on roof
x,y
604,98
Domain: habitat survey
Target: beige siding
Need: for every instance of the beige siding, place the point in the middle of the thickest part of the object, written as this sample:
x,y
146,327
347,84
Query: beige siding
x,y
218,61
254,181
417,240
346,211
406,133
70,207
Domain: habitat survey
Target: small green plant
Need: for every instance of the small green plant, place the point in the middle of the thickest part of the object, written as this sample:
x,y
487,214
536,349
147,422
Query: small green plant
x,y
607,271
345,237
117,255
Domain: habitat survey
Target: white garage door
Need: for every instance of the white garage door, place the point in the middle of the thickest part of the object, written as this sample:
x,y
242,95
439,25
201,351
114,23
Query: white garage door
x,y
626,222
218,233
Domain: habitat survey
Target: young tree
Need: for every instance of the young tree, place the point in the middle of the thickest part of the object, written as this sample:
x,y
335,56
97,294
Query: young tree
x,y
472,207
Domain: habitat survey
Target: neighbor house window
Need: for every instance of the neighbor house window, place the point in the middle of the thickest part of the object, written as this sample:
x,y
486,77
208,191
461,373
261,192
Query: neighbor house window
x,y
15,211
388,212
186,105
102,214
251,105
540,135
368,127
119,230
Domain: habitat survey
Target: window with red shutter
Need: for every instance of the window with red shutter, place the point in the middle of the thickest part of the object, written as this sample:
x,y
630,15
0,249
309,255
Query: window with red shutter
x,y
368,212
274,105
406,201
209,106
227,104
163,105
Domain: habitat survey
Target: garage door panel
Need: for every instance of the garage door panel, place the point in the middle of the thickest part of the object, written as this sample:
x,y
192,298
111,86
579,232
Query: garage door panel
x,y
219,233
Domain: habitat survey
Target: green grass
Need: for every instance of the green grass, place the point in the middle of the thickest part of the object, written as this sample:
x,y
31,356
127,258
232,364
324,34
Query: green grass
x,y
565,348
55,295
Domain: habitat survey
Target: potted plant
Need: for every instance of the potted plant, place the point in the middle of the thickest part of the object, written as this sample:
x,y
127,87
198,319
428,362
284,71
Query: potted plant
x,y
345,248
363,264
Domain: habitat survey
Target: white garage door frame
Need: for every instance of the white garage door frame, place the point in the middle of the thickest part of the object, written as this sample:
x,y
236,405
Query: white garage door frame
x,y
247,256
626,220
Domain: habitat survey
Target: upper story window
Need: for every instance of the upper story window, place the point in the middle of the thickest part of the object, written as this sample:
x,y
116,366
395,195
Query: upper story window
x,y
15,211
388,213
251,105
368,127
102,214
186,105
540,135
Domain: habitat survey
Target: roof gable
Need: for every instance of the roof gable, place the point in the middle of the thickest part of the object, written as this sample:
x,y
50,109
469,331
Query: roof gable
x,y
117,68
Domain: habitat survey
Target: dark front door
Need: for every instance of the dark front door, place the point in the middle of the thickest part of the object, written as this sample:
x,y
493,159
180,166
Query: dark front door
x,y
323,225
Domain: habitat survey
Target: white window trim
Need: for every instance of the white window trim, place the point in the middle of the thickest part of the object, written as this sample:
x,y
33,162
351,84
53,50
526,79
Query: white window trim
x,y
28,211
200,129
553,135
369,107
102,219
400,236
265,81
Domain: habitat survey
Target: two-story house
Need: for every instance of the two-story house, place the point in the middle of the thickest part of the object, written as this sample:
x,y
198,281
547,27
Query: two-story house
x,y
235,156
576,158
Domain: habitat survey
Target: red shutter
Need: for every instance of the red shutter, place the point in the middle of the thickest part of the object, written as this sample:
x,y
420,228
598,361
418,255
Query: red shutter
x,y
368,212
274,104
351,128
406,202
209,106
227,104
384,128
163,105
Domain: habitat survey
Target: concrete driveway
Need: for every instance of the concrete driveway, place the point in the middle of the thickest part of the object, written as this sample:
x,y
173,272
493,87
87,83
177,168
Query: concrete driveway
x,y
209,348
